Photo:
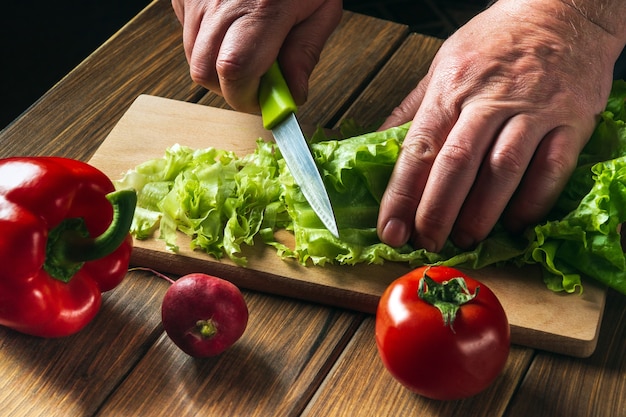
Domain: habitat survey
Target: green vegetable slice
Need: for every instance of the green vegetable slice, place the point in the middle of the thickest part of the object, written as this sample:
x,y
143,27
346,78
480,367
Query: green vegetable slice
x,y
223,201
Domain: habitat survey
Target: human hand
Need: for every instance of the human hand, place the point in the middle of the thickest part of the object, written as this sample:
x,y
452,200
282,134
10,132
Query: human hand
x,y
498,123
230,44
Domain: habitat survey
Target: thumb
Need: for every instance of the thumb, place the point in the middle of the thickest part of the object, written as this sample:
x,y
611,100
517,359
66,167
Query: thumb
x,y
427,134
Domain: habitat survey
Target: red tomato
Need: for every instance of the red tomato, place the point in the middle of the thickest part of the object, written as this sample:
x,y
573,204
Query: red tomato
x,y
437,360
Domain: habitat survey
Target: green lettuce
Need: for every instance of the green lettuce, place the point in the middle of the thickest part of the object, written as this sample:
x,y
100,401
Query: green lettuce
x,y
223,201
582,236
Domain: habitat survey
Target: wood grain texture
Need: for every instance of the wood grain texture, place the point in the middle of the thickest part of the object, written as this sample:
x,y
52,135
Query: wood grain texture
x,y
122,363
74,376
353,55
272,370
58,377
74,117
595,386
538,317
400,75
373,391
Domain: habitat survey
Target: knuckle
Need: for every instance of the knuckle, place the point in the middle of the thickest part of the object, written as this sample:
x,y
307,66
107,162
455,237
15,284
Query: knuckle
x,y
401,193
458,157
311,51
507,163
405,111
420,150
399,190
558,165
230,68
550,173
432,228
201,75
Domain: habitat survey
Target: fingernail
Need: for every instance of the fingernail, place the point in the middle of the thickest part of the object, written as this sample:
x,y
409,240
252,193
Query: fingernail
x,y
395,233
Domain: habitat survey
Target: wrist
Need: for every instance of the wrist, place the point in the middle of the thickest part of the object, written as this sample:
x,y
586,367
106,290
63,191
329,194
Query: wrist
x,y
608,15
604,21
594,25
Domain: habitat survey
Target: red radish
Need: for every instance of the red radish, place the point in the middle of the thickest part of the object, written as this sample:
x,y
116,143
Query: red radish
x,y
202,314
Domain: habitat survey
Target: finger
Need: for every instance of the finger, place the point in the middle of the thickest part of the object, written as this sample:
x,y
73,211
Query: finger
x,y
423,141
497,180
191,21
203,34
303,46
548,173
453,174
299,36
229,50
248,49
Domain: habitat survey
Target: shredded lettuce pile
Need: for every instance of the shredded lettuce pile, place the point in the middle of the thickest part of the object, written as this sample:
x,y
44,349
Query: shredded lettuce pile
x,y
223,201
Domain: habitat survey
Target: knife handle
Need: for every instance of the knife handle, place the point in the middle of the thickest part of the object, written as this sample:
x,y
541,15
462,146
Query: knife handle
x,y
274,97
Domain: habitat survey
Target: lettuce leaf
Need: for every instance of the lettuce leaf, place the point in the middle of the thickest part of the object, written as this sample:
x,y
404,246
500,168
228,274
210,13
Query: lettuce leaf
x,y
223,201
582,236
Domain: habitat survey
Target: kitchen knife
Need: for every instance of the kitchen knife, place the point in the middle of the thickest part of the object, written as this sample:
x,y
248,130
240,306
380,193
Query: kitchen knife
x,y
278,112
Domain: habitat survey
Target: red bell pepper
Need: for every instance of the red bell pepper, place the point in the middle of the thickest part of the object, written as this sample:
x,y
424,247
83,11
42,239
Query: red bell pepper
x,y
64,239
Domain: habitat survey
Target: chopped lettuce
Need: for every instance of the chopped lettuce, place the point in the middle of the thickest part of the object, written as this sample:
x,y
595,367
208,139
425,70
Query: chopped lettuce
x,y
223,201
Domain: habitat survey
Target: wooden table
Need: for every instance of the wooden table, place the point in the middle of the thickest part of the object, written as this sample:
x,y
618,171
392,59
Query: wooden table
x,y
296,358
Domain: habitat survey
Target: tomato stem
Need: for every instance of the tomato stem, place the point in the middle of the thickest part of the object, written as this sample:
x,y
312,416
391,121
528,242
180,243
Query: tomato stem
x,y
447,296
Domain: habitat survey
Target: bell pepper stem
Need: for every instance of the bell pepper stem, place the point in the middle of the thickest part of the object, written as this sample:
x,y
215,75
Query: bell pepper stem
x,y
70,246
89,249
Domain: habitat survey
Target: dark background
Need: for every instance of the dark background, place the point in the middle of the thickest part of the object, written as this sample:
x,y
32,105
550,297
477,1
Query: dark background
x,y
41,41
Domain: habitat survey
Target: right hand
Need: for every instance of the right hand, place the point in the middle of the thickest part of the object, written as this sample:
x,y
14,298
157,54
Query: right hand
x,y
230,44
509,102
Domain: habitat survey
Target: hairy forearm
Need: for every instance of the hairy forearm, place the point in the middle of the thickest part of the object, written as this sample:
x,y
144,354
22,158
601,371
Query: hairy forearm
x,y
598,23
609,15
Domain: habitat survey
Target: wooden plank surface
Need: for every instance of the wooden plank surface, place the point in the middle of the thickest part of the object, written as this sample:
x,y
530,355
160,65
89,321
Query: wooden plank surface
x,y
124,346
57,377
399,76
273,369
75,376
352,57
538,317
75,116
374,392
594,386
540,384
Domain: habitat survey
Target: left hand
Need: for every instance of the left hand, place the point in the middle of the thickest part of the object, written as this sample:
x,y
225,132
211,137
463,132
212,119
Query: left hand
x,y
230,44
498,123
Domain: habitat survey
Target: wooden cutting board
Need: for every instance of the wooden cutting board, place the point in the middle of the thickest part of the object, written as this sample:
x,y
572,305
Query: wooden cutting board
x,y
539,318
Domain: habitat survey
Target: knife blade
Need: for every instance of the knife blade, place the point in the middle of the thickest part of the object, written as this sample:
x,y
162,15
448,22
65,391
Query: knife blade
x,y
278,113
